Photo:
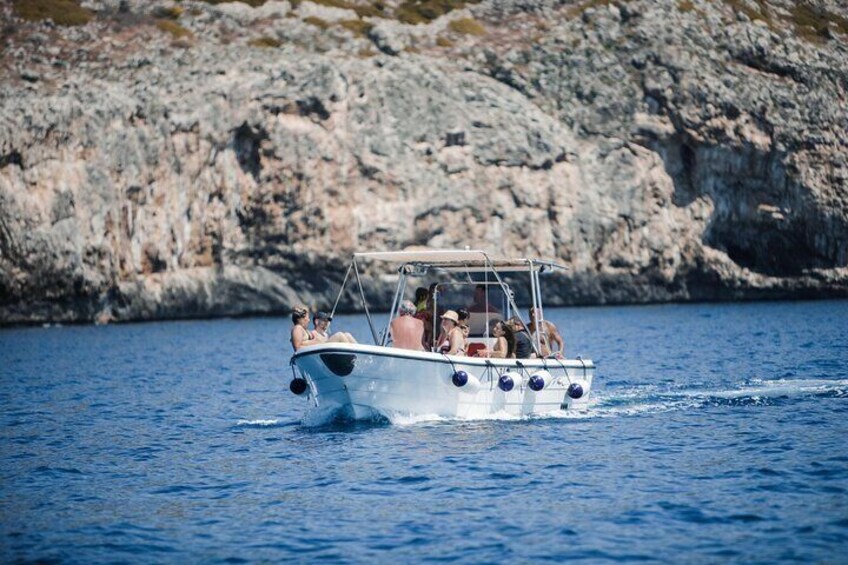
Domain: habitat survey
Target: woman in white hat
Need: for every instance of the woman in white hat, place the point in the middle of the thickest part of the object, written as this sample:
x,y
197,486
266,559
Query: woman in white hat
x,y
454,341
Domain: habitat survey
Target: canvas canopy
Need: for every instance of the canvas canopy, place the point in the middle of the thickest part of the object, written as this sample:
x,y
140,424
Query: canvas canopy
x,y
459,260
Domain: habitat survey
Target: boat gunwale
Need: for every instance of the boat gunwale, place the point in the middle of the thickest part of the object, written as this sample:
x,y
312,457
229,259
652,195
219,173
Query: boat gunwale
x,y
393,352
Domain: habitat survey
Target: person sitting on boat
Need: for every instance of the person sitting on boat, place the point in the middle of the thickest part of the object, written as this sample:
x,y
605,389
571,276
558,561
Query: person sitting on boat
x,y
504,343
463,316
302,337
549,336
421,295
523,343
300,334
407,331
454,341
321,330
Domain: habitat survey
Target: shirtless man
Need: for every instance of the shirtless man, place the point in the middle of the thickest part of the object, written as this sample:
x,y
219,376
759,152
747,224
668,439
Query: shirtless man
x,y
407,331
548,337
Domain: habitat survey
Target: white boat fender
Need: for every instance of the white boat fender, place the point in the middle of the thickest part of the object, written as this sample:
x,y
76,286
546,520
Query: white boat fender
x,y
465,381
575,391
298,385
539,380
507,381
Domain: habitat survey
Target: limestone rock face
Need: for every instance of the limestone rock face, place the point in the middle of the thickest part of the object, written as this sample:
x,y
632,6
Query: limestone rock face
x,y
663,150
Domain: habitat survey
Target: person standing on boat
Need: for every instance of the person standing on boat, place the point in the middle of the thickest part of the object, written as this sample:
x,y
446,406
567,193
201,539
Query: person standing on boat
x,y
523,344
421,295
407,331
549,335
425,314
454,341
479,302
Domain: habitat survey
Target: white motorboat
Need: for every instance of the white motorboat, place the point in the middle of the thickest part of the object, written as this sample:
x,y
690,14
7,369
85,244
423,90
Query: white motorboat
x,y
363,382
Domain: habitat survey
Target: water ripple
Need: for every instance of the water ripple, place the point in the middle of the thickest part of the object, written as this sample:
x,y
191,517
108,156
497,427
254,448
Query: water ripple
x,y
716,434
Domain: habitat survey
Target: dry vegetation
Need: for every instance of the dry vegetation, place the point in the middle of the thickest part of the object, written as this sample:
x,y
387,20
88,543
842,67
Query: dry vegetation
x,y
423,11
170,13
317,22
265,41
467,26
62,12
175,29
253,3
813,23
372,9
359,28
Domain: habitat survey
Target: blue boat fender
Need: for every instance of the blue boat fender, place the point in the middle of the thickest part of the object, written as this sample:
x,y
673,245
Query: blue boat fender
x,y
508,380
539,380
465,381
575,391
459,378
298,385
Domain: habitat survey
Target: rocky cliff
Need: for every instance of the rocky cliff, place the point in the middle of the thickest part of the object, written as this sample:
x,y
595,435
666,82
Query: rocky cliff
x,y
176,159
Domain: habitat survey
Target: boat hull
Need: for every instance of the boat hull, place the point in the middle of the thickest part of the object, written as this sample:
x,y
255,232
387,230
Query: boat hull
x,y
364,382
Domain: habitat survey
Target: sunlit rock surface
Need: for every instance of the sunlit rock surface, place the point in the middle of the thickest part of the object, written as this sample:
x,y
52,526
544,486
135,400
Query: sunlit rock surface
x,y
186,159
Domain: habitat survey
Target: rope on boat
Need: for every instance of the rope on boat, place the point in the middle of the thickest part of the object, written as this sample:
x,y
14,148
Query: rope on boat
x,y
579,358
453,367
524,372
564,368
489,368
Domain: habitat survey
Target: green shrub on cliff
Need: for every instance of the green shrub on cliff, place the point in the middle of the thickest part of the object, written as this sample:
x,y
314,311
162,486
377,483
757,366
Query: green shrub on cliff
x,y
62,12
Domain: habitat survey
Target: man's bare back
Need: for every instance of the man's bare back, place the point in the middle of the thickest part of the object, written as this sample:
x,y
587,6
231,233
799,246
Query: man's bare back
x,y
407,333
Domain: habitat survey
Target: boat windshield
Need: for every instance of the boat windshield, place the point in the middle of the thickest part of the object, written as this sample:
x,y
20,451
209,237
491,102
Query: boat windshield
x,y
485,302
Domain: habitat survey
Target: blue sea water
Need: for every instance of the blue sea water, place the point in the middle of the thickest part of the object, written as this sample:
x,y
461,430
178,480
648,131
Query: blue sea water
x,y
718,433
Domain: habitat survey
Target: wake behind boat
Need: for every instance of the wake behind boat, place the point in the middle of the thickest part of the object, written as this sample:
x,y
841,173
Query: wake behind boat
x,y
362,381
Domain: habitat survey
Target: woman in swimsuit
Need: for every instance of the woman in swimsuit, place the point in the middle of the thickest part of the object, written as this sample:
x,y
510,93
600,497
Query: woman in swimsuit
x,y
302,337
504,343
454,341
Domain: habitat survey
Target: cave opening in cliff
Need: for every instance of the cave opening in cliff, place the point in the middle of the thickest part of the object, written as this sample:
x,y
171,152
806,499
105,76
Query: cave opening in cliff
x,y
767,250
246,144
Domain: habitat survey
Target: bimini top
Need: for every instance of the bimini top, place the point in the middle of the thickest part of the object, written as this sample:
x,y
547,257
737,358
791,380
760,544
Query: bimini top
x,y
470,260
